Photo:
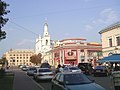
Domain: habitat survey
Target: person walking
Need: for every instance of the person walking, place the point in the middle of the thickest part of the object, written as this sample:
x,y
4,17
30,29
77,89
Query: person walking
x,y
116,79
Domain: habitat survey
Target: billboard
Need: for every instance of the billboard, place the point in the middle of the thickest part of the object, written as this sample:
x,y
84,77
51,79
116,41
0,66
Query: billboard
x,y
70,54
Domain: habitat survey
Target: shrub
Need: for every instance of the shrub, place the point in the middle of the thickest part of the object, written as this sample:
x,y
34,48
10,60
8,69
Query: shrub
x,y
2,72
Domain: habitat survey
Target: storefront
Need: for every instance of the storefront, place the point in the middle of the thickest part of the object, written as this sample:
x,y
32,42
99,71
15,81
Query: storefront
x,y
73,54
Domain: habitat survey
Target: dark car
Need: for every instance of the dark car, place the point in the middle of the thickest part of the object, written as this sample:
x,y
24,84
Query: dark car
x,y
101,71
73,81
45,65
86,68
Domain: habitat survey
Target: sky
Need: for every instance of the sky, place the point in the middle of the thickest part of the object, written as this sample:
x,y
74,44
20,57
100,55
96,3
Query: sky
x,y
65,18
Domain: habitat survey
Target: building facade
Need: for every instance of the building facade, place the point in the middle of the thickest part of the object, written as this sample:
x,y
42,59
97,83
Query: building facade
x,y
110,38
74,51
19,57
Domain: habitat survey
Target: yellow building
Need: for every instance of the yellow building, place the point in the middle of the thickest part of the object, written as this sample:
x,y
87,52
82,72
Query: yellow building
x,y
110,38
19,57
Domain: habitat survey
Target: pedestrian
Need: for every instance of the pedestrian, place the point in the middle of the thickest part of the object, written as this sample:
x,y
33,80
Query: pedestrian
x,y
116,79
58,68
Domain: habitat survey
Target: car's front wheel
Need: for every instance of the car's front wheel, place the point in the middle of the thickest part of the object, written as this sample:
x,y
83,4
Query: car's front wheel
x,y
107,74
52,88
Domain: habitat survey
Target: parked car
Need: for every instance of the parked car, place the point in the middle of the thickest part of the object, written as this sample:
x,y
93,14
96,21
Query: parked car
x,y
24,68
86,68
31,70
101,71
73,81
71,69
45,65
43,74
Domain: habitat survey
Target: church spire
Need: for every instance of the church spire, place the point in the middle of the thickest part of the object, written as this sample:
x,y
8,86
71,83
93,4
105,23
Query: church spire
x,y
45,29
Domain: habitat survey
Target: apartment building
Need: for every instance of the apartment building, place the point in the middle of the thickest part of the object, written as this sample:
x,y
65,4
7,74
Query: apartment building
x,y
110,38
19,57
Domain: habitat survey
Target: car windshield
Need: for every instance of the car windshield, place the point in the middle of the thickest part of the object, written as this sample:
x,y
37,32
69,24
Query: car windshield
x,y
76,79
32,68
73,68
44,70
100,67
45,65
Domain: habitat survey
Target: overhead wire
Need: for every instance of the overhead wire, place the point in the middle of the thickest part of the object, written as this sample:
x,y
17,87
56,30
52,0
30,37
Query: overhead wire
x,y
23,28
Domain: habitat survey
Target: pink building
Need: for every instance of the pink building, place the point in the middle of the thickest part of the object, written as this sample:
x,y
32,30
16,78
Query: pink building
x,y
74,51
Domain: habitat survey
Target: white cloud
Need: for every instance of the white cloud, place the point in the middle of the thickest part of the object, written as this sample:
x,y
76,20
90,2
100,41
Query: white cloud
x,y
88,28
24,42
107,16
88,0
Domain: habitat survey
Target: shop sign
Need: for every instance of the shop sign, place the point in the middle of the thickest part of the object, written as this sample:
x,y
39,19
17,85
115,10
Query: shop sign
x,y
70,54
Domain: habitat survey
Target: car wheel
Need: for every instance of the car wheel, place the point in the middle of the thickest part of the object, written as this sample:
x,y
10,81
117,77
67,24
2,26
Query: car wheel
x,y
107,74
94,75
36,79
52,88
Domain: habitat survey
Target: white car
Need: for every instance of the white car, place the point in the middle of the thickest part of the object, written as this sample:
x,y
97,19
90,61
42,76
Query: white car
x,y
43,74
71,69
31,70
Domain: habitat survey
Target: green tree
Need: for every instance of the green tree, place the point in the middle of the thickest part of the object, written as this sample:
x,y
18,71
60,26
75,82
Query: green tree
x,y
36,59
3,61
3,21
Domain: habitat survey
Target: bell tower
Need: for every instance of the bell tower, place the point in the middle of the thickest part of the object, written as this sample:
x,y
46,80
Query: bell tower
x,y
45,39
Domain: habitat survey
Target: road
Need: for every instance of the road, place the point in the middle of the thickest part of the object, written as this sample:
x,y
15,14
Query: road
x,y
103,81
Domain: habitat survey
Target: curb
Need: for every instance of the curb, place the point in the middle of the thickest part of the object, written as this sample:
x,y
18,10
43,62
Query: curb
x,y
36,83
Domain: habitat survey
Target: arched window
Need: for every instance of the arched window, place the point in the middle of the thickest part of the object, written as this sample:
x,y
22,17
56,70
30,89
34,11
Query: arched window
x,y
46,42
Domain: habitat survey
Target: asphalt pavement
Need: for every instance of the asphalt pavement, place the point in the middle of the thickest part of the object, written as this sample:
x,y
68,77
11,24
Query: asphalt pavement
x,y
24,82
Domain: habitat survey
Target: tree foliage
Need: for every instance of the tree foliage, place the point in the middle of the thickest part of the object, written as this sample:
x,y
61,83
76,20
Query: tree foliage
x,y
36,59
3,61
3,21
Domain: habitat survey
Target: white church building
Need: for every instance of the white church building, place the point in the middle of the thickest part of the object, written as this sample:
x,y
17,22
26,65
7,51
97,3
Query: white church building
x,y
43,44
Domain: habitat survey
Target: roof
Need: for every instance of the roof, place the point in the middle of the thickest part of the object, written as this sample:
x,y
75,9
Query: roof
x,y
72,39
70,72
111,58
111,27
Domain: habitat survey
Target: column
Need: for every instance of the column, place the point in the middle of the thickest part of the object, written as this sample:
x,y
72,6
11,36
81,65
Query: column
x,y
79,55
85,54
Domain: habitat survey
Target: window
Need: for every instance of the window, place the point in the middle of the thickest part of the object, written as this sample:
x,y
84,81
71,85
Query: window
x,y
110,42
118,40
46,42
57,77
61,78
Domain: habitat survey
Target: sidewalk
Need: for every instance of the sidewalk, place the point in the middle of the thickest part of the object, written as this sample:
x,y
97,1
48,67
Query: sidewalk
x,y
23,82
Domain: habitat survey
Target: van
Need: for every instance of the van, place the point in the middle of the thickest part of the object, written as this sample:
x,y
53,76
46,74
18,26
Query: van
x,y
86,68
